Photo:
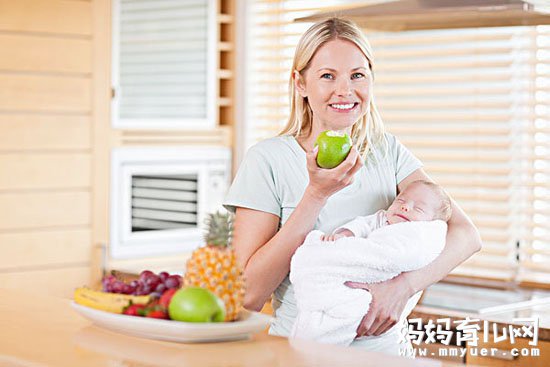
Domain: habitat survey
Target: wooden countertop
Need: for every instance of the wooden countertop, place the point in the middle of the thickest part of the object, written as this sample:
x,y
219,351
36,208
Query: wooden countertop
x,y
46,331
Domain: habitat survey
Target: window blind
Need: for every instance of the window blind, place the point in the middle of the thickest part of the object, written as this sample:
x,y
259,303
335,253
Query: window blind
x,y
455,98
163,63
472,104
534,257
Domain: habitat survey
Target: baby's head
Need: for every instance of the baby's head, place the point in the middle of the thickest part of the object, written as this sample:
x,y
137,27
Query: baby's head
x,y
420,201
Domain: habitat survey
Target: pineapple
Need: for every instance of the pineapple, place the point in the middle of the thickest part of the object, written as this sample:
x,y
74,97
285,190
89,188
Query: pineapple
x,y
215,267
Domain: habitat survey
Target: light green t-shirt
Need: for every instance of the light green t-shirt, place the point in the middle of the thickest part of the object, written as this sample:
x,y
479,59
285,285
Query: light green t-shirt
x,y
273,177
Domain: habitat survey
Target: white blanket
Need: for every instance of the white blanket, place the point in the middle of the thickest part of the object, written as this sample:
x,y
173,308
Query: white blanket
x,y
330,312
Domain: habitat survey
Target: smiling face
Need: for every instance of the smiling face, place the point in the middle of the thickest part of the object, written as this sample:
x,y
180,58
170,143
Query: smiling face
x,y
417,202
337,85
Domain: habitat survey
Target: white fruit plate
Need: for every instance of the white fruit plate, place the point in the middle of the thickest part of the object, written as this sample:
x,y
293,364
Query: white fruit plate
x,y
177,331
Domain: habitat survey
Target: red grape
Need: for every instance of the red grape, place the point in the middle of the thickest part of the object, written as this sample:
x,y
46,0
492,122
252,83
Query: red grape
x,y
117,286
127,288
145,274
172,281
146,289
152,281
139,290
160,288
163,276
147,283
132,288
107,282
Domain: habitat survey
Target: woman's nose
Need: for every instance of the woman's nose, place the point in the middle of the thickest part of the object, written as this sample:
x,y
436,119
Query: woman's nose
x,y
343,87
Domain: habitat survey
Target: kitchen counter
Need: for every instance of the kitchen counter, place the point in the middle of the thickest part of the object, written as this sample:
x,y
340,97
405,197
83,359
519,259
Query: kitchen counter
x,y
501,320
42,331
458,302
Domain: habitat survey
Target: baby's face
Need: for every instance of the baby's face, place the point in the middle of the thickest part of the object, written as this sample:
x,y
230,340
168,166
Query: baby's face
x,y
416,202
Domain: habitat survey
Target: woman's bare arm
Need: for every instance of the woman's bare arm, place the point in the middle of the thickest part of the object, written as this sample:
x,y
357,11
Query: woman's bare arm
x,y
462,241
265,252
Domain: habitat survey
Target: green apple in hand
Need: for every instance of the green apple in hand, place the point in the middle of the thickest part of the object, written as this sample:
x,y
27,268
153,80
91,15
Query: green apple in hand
x,y
194,304
334,147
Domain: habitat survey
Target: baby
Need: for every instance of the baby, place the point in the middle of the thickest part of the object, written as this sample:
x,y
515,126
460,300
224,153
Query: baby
x,y
420,201
407,236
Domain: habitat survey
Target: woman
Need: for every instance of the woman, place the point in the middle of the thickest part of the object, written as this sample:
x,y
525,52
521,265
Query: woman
x,y
280,194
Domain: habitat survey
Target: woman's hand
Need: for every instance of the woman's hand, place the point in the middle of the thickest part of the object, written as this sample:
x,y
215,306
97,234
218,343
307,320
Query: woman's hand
x,y
388,302
325,182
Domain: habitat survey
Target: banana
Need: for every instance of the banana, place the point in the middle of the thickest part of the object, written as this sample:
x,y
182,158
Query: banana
x,y
110,302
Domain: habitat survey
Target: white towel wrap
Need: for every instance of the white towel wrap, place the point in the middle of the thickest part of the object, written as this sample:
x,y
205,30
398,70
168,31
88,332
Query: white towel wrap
x,y
330,312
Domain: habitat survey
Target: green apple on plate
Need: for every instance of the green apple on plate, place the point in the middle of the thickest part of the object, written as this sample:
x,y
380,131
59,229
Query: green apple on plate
x,y
334,147
195,304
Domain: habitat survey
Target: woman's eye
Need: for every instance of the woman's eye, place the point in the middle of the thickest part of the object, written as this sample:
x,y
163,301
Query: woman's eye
x,y
357,75
326,76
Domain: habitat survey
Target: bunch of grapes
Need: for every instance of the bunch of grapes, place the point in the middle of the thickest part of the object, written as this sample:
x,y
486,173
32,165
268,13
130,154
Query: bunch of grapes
x,y
148,283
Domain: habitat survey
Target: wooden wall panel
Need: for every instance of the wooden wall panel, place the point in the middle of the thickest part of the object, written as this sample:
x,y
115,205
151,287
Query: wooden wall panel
x,y
44,248
51,54
48,16
56,282
44,171
56,137
43,209
25,131
46,144
45,93
102,134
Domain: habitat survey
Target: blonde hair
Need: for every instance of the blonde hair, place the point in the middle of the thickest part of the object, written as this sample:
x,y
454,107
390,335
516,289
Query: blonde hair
x,y
444,212
368,131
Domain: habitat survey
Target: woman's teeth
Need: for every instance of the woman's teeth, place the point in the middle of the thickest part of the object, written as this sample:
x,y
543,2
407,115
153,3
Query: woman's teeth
x,y
343,106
